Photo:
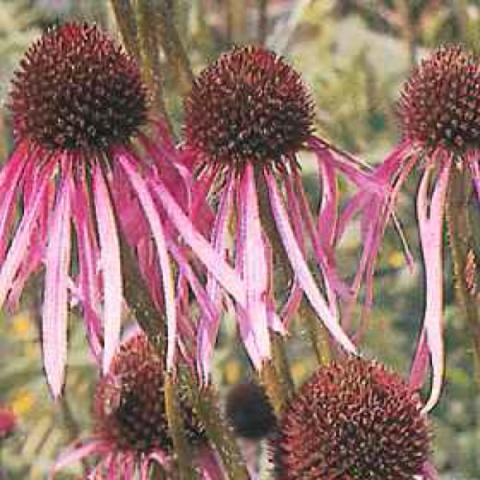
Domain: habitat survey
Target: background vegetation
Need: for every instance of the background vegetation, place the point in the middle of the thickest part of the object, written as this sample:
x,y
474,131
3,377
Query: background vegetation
x,y
354,54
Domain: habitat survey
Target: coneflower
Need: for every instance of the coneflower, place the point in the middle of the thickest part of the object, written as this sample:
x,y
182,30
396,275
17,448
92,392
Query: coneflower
x,y
246,118
439,111
130,424
353,420
78,102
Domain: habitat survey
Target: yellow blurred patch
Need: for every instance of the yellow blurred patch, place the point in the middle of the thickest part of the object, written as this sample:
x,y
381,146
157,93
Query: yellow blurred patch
x,y
22,325
232,372
396,259
299,371
23,402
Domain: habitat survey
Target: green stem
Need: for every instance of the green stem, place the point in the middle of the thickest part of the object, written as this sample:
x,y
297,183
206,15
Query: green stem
x,y
205,404
465,264
125,18
177,431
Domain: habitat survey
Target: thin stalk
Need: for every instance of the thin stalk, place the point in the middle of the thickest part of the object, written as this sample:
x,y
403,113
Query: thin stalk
x,y
125,18
262,6
465,265
205,404
183,455
149,41
273,386
172,45
318,335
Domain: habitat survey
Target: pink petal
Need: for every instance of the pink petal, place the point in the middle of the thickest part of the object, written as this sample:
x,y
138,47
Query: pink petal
x,y
419,368
474,164
111,267
301,269
153,218
55,306
77,452
255,271
20,243
214,262
430,223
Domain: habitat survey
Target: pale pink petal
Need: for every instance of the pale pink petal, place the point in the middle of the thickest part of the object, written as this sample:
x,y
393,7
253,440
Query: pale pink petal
x,y
254,272
208,329
430,472
474,164
153,218
77,452
55,305
301,269
20,243
419,368
110,264
430,223
214,262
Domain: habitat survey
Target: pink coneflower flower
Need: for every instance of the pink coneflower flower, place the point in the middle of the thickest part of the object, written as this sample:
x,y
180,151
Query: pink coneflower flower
x,y
130,425
247,116
353,420
439,111
8,422
77,102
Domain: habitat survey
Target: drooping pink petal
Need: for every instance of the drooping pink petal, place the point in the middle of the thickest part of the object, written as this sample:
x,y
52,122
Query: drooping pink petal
x,y
110,264
88,258
430,224
301,269
254,263
214,262
208,327
77,452
430,472
155,223
419,368
474,164
55,305
20,243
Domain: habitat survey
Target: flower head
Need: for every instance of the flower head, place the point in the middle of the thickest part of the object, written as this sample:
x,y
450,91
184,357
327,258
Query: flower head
x,y
247,117
8,422
353,420
250,411
82,162
250,105
130,424
77,90
440,102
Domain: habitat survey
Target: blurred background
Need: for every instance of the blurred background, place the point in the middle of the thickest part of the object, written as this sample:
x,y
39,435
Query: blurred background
x,y
354,55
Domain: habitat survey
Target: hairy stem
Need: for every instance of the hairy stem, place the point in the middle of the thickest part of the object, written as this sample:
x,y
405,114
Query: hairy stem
x,y
125,18
466,269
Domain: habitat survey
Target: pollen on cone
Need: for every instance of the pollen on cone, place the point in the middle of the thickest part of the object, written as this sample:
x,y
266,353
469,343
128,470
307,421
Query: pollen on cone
x,y
353,420
76,89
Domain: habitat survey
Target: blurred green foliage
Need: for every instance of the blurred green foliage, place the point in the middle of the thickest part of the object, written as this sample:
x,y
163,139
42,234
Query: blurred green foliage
x,y
354,54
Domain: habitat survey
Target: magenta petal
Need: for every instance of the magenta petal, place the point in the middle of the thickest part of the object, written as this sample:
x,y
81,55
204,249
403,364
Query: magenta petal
x,y
430,223
474,164
419,368
20,243
110,264
55,306
214,262
255,272
301,269
155,223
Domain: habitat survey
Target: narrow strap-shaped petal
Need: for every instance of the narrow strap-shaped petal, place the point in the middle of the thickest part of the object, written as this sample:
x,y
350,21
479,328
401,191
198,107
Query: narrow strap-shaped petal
x,y
208,327
419,367
55,305
300,267
155,223
77,452
88,258
214,262
430,224
429,471
255,272
110,264
474,164
20,243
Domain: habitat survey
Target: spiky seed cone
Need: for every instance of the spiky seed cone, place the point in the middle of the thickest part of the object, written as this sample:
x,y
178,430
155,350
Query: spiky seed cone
x,y
440,102
129,407
76,89
353,420
248,106
249,411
